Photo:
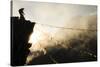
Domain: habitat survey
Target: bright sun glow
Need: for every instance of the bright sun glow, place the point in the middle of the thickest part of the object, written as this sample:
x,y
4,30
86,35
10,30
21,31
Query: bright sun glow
x,y
36,35
40,35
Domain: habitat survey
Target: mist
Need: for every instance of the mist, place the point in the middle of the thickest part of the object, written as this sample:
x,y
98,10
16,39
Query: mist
x,y
78,33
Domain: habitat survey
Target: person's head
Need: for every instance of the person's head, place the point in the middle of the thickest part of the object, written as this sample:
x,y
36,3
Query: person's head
x,y
21,10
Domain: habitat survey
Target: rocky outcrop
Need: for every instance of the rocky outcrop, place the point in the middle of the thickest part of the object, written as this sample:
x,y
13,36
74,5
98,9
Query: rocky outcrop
x,y
20,31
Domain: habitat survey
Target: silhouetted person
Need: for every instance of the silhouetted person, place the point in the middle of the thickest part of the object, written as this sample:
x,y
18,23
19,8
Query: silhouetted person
x,y
21,14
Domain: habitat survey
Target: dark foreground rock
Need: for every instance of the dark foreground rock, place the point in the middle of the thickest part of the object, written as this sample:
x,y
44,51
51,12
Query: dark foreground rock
x,y
20,31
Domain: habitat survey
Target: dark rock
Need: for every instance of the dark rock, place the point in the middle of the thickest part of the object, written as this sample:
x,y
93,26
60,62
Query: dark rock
x,y
20,31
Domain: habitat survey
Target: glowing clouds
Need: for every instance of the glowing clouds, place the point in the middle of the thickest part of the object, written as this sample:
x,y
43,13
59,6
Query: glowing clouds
x,y
36,35
41,36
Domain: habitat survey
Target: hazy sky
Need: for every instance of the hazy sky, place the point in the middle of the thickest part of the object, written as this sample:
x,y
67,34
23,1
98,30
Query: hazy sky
x,y
51,13
55,14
